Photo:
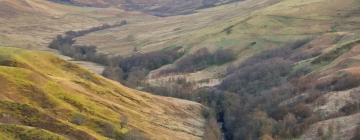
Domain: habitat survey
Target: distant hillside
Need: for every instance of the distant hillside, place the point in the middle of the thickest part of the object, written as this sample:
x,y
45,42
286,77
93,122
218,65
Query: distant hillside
x,y
154,7
44,97
32,24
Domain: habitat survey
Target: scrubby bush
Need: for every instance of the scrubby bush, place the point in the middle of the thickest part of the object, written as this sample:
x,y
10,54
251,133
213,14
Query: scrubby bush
x,y
109,130
135,134
78,119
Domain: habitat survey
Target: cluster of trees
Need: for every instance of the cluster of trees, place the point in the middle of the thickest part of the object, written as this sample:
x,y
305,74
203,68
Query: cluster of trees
x,y
132,70
151,60
202,59
65,44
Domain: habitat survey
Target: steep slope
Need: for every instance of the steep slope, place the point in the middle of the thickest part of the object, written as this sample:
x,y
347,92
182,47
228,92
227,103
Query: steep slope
x,y
45,97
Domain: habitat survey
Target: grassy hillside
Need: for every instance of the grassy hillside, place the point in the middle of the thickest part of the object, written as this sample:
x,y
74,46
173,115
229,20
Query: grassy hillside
x,y
247,28
45,97
187,30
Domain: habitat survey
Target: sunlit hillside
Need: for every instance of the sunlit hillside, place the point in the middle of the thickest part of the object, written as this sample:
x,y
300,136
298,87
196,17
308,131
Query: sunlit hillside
x,y
45,97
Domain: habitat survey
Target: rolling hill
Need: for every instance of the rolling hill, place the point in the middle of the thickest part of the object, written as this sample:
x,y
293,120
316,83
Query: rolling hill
x,y
269,69
45,97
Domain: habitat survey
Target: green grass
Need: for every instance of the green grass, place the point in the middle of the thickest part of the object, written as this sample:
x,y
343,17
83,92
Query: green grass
x,y
18,132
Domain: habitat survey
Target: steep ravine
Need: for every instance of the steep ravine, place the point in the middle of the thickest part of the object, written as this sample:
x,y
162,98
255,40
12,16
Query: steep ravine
x,y
115,67
90,58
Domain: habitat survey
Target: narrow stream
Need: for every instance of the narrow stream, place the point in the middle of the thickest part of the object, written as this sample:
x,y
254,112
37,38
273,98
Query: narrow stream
x,y
221,122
